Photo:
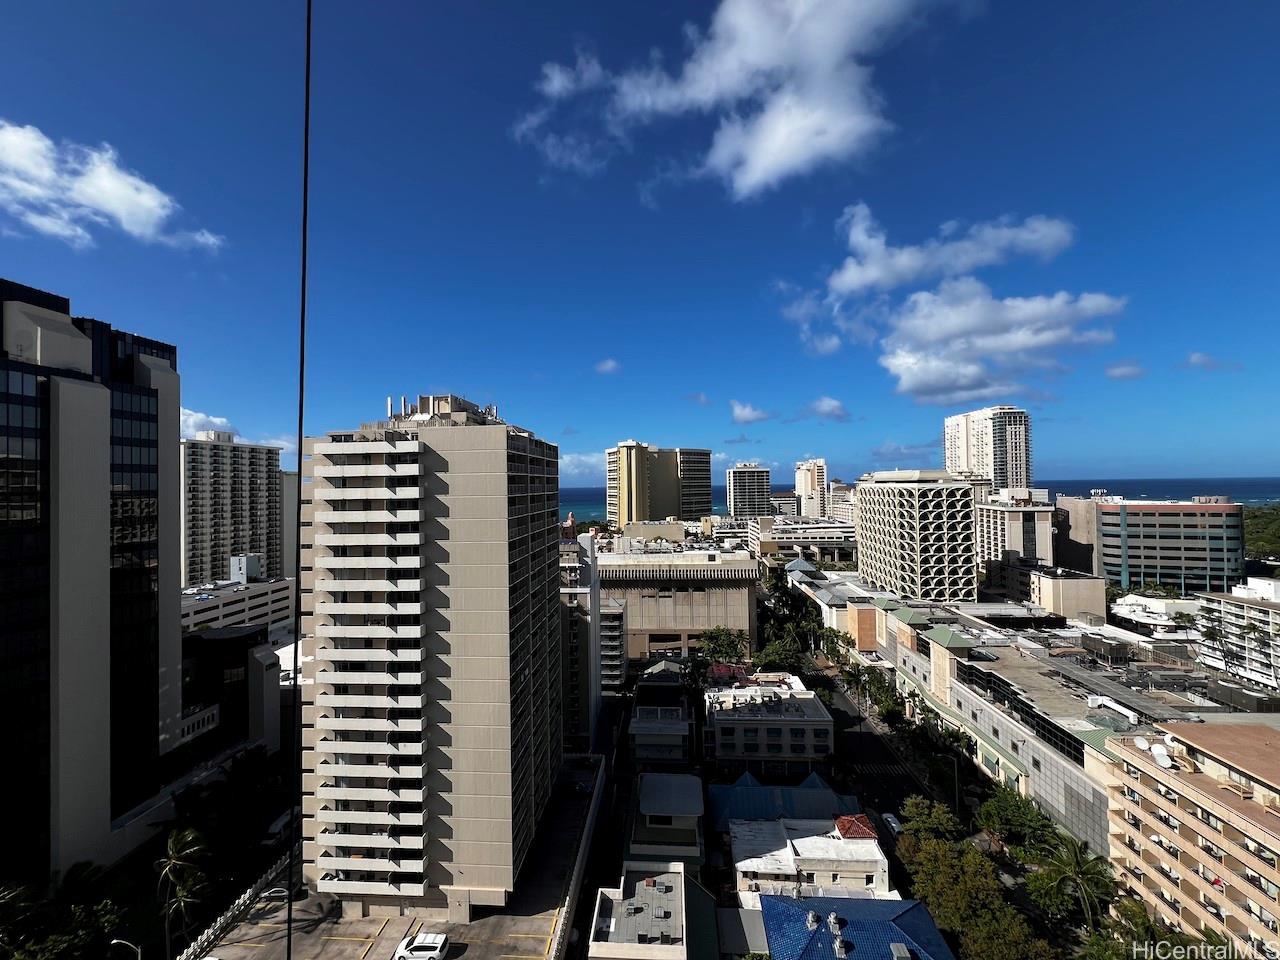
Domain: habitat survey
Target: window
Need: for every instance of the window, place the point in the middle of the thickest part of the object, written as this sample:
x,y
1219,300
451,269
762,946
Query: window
x,y
751,733
1035,763
835,878
774,733
775,748
797,733
726,733
751,748
871,880
797,748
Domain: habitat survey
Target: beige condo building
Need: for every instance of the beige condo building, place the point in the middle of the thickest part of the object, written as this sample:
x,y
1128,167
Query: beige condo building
x,y
430,592
811,488
653,483
1195,827
994,442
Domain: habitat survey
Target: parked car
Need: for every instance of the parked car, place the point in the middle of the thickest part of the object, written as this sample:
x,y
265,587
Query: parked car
x,y
893,823
424,946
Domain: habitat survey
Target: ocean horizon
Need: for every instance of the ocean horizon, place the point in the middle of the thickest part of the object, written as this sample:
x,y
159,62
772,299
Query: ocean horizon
x,y
588,503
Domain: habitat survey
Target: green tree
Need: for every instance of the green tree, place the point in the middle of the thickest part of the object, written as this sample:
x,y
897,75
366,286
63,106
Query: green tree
x,y
1049,896
182,880
1083,876
722,645
926,819
1014,820
782,654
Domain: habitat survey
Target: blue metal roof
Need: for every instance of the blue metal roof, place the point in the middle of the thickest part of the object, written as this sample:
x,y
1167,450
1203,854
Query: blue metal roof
x,y
867,927
748,799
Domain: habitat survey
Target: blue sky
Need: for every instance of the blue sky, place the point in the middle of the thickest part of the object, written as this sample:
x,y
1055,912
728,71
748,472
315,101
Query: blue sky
x,y
774,229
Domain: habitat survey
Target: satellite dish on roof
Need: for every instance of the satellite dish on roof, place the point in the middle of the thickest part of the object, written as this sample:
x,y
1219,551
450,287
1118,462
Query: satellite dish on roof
x,y
1159,750
1169,741
1142,743
1163,761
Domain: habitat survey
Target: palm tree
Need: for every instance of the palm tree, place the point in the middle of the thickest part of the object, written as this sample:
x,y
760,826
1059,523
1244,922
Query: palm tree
x,y
1080,874
182,880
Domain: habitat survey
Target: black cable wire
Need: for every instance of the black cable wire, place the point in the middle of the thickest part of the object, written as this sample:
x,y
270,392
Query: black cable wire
x,y
296,703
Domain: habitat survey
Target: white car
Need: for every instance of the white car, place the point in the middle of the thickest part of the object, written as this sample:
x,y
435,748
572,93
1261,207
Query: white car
x,y
424,946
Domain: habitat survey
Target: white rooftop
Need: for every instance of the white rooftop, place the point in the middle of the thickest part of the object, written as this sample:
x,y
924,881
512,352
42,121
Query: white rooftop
x,y
785,846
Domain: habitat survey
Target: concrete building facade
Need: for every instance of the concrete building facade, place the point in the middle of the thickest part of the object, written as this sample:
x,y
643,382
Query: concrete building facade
x,y
994,442
811,488
1015,524
747,490
1193,545
915,534
672,597
231,503
431,725
1247,621
1194,829
653,483
90,646
769,721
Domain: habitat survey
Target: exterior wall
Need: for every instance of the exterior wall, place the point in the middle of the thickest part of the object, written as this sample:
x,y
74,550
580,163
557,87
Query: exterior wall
x,y
289,523
747,488
231,504
994,442
1250,637
431,607
1195,852
916,538
1189,546
669,605
1072,597
811,488
269,603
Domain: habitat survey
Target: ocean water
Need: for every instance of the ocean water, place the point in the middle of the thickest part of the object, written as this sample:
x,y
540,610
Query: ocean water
x,y
588,503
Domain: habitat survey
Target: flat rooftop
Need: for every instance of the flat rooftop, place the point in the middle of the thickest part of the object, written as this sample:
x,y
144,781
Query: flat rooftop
x,y
647,908
1250,742
774,846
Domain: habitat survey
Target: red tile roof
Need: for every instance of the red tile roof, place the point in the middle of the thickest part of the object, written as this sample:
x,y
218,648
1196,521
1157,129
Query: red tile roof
x,y
855,827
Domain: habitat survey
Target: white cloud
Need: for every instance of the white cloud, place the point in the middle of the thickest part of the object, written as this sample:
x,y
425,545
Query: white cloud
x,y
582,467
700,398
829,408
1125,371
608,365
908,453
746,413
874,264
960,344
65,190
785,80
193,421
1203,361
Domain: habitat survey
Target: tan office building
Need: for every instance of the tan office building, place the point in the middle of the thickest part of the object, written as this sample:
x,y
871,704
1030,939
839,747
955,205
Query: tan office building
x,y
671,598
1195,827
654,483
431,727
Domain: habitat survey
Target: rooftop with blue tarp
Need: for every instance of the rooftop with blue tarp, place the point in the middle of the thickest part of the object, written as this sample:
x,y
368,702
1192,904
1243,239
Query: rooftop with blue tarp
x,y
747,799
867,928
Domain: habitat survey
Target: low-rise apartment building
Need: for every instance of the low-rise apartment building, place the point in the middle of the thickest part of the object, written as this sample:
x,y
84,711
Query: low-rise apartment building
x,y
769,720
658,911
1194,827
1246,643
673,596
1069,593
827,857
662,722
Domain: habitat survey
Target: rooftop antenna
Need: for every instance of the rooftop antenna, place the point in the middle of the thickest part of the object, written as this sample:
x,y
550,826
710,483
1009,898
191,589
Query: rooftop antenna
x,y
404,405
388,406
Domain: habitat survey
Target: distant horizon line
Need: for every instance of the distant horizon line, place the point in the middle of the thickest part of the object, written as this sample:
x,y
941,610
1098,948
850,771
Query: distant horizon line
x,y
1053,480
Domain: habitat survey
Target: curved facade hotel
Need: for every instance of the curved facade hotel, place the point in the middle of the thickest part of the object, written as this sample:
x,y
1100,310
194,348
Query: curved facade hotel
x,y
915,534
431,718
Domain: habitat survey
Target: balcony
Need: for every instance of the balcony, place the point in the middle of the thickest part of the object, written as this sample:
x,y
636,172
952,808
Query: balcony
x,y
368,655
375,794
331,609
1244,790
359,563
367,516
368,678
328,884
329,585
369,631
370,817
368,723
373,841
367,470
368,539
338,494
329,747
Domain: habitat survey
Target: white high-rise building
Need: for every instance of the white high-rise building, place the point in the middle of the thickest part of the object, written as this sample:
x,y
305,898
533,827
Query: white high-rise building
x,y
431,626
747,490
994,442
811,487
231,504
915,534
